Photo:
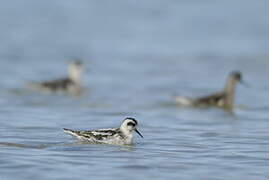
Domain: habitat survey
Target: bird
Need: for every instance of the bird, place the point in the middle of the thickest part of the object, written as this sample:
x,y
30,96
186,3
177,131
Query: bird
x,y
118,136
71,84
223,99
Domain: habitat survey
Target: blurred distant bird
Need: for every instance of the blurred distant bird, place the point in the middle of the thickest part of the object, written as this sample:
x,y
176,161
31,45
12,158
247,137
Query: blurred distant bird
x,y
71,84
119,136
223,99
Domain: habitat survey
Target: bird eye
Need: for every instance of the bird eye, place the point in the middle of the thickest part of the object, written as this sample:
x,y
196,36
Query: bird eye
x,y
130,124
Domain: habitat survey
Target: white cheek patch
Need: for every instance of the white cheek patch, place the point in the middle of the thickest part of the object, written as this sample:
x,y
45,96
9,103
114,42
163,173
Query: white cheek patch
x,y
130,128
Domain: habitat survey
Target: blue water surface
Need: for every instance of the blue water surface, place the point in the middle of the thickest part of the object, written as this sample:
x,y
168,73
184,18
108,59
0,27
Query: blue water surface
x,y
138,55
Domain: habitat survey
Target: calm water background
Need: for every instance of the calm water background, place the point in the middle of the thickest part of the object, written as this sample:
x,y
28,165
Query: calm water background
x,y
138,55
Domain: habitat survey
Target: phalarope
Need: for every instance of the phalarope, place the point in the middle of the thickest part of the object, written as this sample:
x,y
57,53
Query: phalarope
x,y
121,136
70,84
223,99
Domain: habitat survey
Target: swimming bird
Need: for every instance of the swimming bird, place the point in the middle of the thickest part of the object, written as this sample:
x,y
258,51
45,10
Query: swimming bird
x,y
71,84
120,136
223,99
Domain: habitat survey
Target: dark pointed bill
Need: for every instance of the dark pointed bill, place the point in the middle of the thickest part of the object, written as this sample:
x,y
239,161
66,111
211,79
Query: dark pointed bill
x,y
138,133
244,83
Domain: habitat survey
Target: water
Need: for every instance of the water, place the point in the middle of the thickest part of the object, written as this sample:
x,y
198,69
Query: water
x,y
138,55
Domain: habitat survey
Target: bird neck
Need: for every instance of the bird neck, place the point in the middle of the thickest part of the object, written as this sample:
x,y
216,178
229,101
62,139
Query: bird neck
x,y
75,76
230,92
126,132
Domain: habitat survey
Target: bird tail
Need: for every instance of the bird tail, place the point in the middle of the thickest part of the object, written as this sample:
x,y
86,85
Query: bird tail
x,y
33,86
184,101
70,131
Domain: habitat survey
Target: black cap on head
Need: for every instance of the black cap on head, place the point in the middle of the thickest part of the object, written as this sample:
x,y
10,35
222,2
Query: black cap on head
x,y
77,62
133,119
237,75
